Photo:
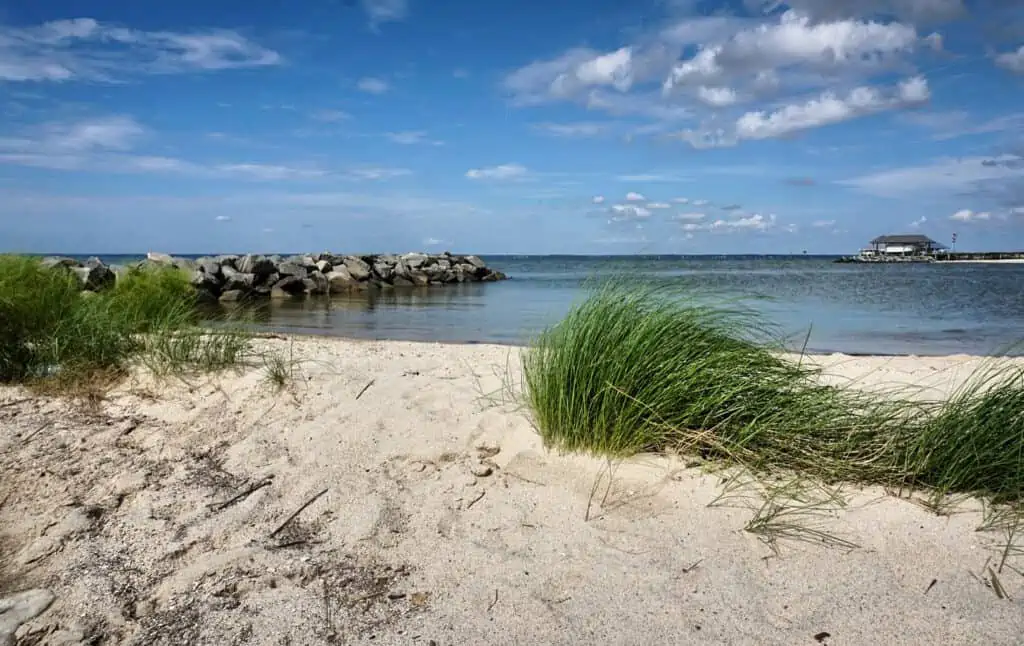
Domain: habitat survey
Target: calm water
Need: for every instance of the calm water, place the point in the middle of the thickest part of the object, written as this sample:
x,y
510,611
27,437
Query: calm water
x,y
882,309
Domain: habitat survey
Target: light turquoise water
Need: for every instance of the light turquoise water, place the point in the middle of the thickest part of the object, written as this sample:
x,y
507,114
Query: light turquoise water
x,y
873,309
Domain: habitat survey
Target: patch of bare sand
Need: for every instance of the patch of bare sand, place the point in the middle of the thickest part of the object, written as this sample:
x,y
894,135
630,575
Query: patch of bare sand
x,y
161,519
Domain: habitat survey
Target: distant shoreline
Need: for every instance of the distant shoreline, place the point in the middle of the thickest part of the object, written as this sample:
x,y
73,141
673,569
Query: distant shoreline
x,y
991,261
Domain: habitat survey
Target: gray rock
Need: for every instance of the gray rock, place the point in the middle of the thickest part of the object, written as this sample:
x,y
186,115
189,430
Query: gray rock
x,y
384,270
59,261
324,267
203,280
186,264
494,276
301,260
270,280
208,267
257,265
288,286
236,280
19,609
401,270
340,281
475,262
419,278
415,260
159,258
229,260
232,295
95,278
398,281
356,267
316,283
292,269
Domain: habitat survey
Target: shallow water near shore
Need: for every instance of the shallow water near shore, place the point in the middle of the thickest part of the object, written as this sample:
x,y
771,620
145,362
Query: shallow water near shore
x,y
924,309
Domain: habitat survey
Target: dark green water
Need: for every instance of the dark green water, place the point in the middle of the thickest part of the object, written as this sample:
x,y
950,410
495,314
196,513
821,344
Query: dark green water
x,y
873,309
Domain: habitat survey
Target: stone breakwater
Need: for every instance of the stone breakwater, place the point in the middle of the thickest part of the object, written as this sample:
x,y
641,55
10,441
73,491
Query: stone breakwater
x,y
236,278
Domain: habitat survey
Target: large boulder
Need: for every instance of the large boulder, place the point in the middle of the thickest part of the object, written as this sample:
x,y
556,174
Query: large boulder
x,y
94,276
62,262
208,266
384,270
493,276
340,281
229,260
316,283
257,265
233,296
287,287
357,267
323,266
292,269
415,260
202,280
157,258
419,278
237,280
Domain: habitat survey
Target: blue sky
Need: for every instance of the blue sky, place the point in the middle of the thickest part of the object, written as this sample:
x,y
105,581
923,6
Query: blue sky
x,y
578,126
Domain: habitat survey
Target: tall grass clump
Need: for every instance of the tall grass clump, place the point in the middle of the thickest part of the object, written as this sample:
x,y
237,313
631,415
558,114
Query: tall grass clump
x,y
636,368
974,441
49,328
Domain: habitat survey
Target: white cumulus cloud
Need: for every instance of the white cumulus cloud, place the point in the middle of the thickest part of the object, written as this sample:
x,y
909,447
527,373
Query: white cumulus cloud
x,y
718,97
635,197
829,109
967,215
1013,61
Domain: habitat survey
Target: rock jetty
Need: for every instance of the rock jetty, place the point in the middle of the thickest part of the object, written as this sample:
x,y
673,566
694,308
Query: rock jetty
x,y
236,278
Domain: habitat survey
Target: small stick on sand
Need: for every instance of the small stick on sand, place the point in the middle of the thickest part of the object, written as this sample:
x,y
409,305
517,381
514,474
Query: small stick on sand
x,y
297,512
997,585
367,597
930,586
476,500
495,602
253,489
365,388
34,433
15,402
687,570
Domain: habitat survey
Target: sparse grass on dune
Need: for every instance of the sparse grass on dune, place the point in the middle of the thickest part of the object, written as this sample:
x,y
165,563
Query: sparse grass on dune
x,y
635,368
50,330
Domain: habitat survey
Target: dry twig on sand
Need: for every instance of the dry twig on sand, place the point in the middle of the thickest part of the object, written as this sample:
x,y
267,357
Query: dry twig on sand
x,y
298,511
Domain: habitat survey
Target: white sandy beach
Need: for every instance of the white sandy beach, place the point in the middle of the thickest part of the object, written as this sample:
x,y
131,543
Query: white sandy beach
x,y
444,521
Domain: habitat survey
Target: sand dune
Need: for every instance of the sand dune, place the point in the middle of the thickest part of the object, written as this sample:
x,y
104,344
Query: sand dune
x,y
163,516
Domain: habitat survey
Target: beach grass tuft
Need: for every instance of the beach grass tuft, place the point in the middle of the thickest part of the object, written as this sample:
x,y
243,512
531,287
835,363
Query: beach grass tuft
x,y
50,329
635,368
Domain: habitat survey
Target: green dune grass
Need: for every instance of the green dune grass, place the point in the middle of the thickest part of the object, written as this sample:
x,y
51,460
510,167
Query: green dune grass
x,y
49,329
635,368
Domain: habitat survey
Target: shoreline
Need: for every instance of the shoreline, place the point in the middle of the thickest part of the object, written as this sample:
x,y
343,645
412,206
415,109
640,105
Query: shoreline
x,y
288,334
992,261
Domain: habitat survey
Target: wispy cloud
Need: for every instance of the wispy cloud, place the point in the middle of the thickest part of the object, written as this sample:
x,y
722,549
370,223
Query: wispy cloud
x,y
377,173
85,49
633,196
578,129
330,116
412,138
950,175
382,11
502,172
372,85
